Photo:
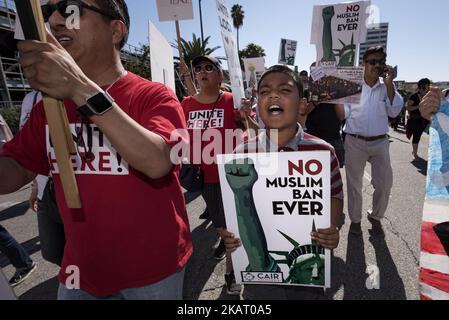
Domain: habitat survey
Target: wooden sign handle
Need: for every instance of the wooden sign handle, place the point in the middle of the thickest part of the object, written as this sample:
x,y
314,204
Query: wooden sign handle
x,y
178,35
57,120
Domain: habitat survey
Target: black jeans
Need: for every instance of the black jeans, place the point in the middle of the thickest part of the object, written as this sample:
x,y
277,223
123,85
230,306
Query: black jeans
x,y
51,228
19,258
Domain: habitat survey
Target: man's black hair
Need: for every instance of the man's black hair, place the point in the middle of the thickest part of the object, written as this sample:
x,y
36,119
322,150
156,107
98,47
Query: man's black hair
x,y
119,10
374,50
423,83
285,70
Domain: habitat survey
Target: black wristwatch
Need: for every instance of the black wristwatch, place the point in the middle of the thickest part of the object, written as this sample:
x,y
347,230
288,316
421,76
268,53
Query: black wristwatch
x,y
97,105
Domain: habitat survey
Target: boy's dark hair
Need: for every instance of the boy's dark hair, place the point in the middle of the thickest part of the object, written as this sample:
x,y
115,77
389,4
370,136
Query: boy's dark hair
x,y
119,10
423,83
374,50
285,70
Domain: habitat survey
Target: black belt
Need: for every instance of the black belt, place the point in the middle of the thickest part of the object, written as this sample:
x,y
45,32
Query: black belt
x,y
368,139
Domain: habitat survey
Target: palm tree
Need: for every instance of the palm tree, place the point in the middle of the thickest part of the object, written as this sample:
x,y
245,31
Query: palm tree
x,y
238,15
195,48
252,50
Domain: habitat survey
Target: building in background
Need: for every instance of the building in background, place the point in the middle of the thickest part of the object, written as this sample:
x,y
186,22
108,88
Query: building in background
x,y
13,85
377,36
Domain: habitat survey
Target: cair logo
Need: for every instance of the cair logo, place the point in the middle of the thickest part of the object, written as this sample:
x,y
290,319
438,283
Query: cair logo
x,y
262,277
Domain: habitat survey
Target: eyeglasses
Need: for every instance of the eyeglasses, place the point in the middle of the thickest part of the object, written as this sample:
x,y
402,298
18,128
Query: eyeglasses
x,y
373,62
62,6
208,68
84,152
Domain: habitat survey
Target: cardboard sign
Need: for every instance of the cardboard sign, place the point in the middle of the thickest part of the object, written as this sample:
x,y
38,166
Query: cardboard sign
x,y
254,68
174,10
272,202
434,276
337,30
336,85
232,55
287,52
162,66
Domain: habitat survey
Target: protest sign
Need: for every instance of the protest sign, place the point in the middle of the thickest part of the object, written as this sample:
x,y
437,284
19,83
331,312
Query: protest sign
x,y
232,55
337,30
272,202
287,52
162,66
174,10
434,276
254,68
336,85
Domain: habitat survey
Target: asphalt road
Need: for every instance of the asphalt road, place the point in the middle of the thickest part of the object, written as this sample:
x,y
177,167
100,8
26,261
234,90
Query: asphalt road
x,y
396,256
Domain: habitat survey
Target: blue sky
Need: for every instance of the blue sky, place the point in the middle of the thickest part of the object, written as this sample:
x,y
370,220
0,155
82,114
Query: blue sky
x,y
418,36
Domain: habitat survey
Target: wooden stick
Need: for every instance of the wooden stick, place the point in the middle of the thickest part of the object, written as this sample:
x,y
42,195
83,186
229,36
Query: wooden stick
x,y
60,133
178,35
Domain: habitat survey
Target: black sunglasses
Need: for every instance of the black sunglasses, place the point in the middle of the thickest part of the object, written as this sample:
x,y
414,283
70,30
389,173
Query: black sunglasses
x,y
208,68
373,62
61,7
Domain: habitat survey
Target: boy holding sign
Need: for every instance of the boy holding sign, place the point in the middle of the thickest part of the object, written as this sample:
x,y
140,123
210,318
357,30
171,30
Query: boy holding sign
x,y
280,96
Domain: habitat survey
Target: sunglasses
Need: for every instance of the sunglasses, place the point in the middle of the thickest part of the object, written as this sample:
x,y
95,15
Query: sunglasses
x,y
208,68
62,6
373,62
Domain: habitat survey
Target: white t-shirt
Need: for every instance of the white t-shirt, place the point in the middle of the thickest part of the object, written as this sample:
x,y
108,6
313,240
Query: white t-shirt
x,y
30,100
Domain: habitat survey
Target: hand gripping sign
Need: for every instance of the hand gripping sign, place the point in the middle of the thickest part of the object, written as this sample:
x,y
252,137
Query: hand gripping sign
x,y
33,26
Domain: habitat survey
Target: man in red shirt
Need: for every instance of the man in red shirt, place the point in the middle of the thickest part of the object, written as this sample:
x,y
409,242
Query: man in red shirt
x,y
131,239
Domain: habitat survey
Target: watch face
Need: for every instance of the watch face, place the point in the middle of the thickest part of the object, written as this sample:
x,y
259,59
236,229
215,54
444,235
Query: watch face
x,y
100,103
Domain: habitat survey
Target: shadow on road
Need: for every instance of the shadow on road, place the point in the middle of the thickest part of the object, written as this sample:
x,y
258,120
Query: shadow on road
x,y
190,197
202,263
355,275
391,286
31,246
421,165
15,211
44,291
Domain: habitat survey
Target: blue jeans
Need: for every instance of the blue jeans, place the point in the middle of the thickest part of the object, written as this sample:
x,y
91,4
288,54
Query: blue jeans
x,y
19,258
167,289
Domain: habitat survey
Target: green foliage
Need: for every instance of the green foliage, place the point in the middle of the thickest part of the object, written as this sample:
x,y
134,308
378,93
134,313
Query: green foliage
x,y
251,51
141,64
238,15
195,48
12,117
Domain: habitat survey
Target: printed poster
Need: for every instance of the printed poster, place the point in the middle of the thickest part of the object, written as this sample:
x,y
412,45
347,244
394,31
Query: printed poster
x,y
337,30
172,10
434,275
162,65
232,55
254,68
272,202
336,85
287,52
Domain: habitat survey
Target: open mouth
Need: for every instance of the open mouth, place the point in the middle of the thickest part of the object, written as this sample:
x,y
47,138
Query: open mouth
x,y
64,40
275,110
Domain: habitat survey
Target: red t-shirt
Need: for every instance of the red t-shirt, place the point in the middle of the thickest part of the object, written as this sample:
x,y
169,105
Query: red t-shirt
x,y
221,123
132,231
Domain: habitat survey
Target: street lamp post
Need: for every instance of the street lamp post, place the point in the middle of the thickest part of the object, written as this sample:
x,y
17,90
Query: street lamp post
x,y
201,23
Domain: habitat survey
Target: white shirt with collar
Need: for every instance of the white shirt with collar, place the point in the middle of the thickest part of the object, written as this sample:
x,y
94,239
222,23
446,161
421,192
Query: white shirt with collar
x,y
370,117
